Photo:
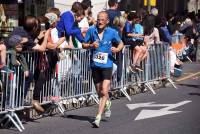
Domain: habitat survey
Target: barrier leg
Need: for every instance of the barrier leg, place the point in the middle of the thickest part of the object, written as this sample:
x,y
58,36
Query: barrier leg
x,y
189,59
60,108
123,90
150,87
11,116
172,83
95,98
54,105
18,120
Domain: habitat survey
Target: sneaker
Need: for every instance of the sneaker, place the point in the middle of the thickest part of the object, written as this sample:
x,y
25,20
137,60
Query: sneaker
x,y
5,69
132,69
55,98
107,109
96,122
138,68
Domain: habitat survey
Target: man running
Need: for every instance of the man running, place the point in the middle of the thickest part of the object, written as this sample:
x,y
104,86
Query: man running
x,y
99,39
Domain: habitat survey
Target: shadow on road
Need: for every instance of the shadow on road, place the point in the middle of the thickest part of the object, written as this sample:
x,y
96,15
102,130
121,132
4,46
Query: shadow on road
x,y
195,94
82,118
188,85
90,119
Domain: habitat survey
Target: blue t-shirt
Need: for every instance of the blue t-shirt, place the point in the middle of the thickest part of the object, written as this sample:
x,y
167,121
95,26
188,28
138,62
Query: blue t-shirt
x,y
127,29
165,34
112,13
138,29
101,57
67,25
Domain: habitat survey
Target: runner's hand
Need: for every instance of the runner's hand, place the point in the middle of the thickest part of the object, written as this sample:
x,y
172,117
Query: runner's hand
x,y
95,44
114,50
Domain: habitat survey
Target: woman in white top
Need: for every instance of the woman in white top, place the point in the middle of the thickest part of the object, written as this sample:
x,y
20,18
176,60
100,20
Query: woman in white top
x,y
150,31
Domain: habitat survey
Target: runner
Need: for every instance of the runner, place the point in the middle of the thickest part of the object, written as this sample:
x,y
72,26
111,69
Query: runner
x,y
101,38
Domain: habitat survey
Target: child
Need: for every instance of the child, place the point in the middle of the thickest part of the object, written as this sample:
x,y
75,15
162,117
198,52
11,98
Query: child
x,y
15,44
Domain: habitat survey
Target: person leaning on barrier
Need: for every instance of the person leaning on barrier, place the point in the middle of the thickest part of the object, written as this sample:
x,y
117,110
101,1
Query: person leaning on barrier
x,y
32,31
66,25
37,40
99,39
53,14
15,44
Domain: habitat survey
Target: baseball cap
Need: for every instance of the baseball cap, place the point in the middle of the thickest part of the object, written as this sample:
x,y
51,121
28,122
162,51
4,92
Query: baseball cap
x,y
52,17
15,40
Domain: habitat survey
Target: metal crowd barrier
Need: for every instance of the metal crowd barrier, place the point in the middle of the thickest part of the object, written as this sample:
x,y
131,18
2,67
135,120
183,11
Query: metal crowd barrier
x,y
70,77
156,67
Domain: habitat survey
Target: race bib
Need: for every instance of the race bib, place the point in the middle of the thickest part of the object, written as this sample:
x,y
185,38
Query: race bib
x,y
100,57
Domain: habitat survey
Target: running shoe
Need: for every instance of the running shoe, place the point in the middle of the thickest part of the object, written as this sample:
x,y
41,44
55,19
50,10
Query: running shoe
x,y
96,122
132,69
107,109
138,68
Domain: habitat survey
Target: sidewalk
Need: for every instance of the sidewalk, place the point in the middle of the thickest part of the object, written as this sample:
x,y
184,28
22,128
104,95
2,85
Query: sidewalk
x,y
189,70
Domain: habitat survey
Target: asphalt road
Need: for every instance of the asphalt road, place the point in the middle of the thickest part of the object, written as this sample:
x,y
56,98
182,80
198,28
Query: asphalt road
x,y
184,120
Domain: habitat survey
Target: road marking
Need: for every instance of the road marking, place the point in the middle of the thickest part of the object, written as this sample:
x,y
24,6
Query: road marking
x,y
145,113
187,77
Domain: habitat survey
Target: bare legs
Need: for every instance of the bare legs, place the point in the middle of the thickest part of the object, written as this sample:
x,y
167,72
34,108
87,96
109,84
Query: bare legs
x,y
102,90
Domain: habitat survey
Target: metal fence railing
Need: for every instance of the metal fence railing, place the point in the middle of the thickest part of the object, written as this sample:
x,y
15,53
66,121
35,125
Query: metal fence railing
x,y
67,75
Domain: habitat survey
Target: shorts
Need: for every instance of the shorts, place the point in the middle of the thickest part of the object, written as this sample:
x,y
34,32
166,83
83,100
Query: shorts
x,y
100,74
132,43
139,42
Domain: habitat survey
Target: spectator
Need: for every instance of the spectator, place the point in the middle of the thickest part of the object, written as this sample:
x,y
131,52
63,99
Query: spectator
x,y
154,11
128,40
118,24
138,38
87,6
151,33
163,30
31,31
66,25
113,11
15,45
170,22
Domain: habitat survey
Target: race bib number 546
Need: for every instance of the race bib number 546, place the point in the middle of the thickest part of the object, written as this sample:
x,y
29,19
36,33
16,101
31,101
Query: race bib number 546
x,y
100,57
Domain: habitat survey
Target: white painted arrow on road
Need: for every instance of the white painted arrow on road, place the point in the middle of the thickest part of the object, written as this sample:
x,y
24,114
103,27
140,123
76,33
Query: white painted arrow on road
x,y
144,114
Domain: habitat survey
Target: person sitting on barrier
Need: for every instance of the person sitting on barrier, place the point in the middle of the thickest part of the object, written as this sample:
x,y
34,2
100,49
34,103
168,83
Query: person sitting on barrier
x,y
138,38
151,33
99,39
128,40
3,67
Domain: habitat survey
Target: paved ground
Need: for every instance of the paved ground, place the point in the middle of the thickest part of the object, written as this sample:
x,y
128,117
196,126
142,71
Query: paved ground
x,y
123,120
